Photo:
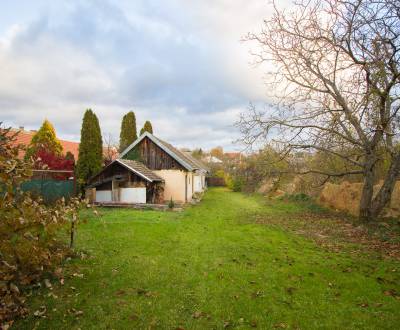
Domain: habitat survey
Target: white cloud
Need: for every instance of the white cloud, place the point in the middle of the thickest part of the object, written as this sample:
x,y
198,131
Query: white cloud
x,y
179,64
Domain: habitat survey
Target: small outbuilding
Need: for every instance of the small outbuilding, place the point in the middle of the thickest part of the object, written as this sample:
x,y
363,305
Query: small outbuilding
x,y
127,181
183,175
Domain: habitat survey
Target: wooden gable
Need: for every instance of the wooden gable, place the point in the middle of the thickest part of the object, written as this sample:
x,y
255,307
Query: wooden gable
x,y
151,155
115,171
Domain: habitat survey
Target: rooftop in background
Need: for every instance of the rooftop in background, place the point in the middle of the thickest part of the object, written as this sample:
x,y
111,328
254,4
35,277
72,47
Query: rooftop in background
x,y
232,155
212,159
24,137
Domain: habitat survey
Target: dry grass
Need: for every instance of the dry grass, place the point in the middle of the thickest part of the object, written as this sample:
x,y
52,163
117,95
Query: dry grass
x,y
346,197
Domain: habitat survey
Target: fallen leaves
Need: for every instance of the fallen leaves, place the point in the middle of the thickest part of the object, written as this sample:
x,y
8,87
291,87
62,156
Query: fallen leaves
x,y
334,232
392,293
74,312
197,314
253,323
256,294
14,288
227,324
200,314
120,292
146,293
41,312
363,305
280,325
47,283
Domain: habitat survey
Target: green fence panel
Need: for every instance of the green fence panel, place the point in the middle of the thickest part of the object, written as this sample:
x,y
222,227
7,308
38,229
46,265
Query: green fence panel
x,y
50,190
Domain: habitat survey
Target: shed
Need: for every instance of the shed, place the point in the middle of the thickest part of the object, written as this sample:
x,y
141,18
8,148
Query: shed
x,y
127,181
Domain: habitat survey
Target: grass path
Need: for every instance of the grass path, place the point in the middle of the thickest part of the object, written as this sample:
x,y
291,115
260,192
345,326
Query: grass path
x,y
210,267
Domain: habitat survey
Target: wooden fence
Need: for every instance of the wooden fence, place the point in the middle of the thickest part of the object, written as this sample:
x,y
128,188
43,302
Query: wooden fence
x,y
216,182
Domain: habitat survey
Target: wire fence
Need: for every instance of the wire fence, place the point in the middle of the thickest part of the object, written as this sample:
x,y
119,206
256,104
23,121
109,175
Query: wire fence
x,y
51,185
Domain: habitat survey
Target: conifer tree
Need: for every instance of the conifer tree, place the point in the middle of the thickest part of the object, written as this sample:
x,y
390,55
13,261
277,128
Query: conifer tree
x,y
45,139
147,127
128,131
90,158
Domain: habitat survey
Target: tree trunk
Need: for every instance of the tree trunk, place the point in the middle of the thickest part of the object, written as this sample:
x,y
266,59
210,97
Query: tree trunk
x,y
384,195
368,191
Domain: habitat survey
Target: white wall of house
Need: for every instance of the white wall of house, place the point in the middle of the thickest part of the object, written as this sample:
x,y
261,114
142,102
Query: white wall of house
x,y
189,186
175,185
198,184
103,196
133,195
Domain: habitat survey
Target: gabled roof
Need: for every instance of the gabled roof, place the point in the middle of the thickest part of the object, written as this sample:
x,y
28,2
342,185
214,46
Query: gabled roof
x,y
135,167
200,164
175,153
140,169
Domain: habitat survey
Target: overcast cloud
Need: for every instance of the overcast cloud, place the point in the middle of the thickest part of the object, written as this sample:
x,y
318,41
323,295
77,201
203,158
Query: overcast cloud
x,y
179,64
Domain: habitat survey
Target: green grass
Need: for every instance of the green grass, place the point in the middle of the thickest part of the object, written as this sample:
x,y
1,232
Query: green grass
x,y
210,267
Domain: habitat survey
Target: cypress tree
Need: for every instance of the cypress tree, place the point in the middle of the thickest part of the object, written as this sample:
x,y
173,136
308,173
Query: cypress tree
x,y
128,131
147,127
90,159
45,139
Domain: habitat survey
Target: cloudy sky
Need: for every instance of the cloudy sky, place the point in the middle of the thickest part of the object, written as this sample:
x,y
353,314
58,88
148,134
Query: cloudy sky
x,y
178,63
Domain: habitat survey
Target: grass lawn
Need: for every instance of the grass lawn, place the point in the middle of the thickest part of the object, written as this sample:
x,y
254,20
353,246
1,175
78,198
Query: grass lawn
x,y
213,267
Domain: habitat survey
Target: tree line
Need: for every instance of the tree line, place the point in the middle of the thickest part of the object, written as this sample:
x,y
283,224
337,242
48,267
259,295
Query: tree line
x,y
46,150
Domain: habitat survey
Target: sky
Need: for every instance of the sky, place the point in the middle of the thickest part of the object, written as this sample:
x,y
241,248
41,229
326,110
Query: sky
x,y
180,64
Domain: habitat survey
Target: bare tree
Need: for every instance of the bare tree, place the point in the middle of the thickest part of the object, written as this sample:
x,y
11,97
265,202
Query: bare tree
x,y
110,149
336,79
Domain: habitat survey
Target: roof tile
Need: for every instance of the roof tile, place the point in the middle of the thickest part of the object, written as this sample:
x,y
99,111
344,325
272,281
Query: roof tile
x,y
140,168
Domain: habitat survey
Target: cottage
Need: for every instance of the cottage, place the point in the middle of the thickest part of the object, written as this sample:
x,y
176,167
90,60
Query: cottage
x,y
127,181
150,170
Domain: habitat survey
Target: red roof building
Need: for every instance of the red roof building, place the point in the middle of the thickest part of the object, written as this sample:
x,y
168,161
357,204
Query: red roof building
x,y
24,137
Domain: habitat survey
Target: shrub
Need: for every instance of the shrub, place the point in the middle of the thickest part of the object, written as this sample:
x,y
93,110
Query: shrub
x,y
171,204
298,197
30,246
45,139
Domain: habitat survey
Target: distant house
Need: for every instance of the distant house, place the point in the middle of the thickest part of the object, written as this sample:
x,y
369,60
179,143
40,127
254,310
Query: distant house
x,y
213,160
24,138
150,170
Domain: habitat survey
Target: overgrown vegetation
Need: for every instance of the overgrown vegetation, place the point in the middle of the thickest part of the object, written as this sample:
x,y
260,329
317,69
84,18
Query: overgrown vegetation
x,y
334,76
44,140
30,246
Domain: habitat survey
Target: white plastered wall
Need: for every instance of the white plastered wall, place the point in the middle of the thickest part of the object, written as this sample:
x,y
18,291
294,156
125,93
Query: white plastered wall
x,y
175,184
198,182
